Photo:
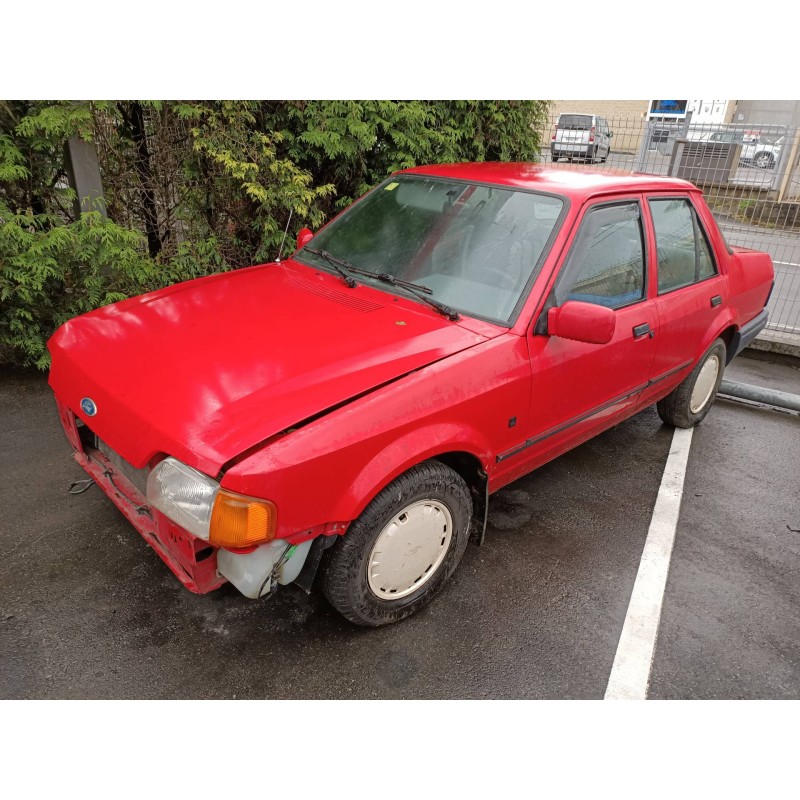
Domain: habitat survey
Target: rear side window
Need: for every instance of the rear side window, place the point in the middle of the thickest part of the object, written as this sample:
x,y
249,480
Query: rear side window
x,y
684,256
575,122
606,264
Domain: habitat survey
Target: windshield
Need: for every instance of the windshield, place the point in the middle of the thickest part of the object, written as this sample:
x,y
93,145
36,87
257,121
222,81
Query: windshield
x,y
475,247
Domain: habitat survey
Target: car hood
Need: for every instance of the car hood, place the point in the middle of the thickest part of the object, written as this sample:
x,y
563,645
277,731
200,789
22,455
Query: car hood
x,y
208,369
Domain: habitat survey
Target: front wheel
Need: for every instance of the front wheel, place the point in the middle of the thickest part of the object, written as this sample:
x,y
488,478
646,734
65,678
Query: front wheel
x,y
687,404
398,554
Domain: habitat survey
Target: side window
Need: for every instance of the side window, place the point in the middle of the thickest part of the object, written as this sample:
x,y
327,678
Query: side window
x,y
606,263
684,256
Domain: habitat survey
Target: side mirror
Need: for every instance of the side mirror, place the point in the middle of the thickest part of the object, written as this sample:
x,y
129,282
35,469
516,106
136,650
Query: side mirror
x,y
582,322
610,134
304,236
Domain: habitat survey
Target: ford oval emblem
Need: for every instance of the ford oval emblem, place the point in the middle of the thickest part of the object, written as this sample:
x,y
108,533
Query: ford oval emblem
x,y
88,406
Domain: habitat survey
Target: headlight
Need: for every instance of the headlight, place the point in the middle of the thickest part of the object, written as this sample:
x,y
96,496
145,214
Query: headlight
x,y
183,494
197,503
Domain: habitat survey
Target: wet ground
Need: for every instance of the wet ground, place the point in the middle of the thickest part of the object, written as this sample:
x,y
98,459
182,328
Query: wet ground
x,y
87,610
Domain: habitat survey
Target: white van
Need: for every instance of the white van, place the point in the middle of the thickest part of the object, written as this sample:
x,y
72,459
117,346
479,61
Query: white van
x,y
581,136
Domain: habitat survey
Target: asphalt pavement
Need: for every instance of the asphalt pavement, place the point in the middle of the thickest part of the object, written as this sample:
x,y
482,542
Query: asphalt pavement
x,y
87,610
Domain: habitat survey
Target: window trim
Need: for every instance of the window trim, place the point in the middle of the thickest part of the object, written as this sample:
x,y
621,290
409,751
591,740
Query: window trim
x,y
698,222
617,201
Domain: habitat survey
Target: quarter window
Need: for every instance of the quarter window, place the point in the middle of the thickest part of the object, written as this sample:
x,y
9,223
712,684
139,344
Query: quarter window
x,y
684,256
606,263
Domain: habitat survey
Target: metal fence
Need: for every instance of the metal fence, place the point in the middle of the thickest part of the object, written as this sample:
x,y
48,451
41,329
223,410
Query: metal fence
x,y
749,174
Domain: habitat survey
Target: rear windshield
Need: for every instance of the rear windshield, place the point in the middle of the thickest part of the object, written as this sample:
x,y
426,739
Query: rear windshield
x,y
575,122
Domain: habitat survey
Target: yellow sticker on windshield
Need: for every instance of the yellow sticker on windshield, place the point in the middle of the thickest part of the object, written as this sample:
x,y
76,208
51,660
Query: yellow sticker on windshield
x,y
391,186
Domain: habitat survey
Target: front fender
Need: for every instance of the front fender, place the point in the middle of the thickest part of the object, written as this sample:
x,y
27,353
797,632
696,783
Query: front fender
x,y
413,448
328,470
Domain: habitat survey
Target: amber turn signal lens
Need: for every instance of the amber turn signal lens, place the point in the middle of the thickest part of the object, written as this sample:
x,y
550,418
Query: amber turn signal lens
x,y
239,521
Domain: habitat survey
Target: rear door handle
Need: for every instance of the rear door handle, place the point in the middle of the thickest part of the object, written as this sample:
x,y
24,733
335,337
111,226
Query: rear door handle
x,y
643,330
716,300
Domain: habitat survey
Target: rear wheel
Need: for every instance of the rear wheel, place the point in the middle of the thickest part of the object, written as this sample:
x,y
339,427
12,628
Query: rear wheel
x,y
687,404
764,160
398,554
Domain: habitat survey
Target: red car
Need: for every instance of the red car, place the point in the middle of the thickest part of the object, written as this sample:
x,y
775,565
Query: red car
x,y
348,412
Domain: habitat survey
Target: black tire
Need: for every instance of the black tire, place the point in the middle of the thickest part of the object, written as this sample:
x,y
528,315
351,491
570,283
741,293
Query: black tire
x,y
764,160
345,580
605,157
676,408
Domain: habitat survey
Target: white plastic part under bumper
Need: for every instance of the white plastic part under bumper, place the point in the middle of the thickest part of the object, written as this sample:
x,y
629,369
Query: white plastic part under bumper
x,y
253,573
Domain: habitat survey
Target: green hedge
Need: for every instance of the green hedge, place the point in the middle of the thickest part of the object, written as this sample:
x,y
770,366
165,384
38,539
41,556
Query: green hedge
x,y
193,188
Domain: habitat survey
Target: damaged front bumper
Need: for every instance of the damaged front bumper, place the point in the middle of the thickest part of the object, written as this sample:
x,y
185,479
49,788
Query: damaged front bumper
x,y
200,567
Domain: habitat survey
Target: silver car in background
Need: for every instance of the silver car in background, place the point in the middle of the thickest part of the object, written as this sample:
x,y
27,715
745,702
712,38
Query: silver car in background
x,y
761,150
584,137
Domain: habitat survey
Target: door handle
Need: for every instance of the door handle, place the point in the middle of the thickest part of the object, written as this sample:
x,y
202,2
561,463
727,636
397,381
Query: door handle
x,y
716,300
643,330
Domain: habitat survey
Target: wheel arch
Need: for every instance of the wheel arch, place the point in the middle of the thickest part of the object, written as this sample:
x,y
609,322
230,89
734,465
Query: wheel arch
x,y
464,462
464,450
724,328
727,336
469,467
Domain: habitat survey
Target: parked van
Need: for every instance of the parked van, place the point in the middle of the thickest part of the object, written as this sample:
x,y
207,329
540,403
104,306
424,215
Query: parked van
x,y
581,136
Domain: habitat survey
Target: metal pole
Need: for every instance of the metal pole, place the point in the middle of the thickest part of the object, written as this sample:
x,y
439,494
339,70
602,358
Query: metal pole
x,y
644,146
757,394
786,165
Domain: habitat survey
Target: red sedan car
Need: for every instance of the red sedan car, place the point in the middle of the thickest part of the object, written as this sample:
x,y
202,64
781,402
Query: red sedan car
x,y
346,414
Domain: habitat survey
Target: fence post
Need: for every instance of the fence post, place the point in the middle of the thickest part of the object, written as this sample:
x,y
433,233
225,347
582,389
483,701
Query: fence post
x,y
644,146
83,173
789,163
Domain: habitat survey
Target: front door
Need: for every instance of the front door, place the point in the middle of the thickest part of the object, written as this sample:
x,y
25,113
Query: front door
x,y
579,389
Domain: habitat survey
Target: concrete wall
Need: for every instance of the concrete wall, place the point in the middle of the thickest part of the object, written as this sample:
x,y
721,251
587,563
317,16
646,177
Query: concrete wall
x,y
772,112
605,108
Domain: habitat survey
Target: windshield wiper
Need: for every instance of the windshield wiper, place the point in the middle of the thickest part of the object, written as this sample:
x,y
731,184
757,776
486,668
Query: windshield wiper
x,y
418,290
344,268
386,278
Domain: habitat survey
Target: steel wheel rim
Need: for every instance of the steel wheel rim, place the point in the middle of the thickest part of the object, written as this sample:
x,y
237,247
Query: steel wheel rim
x,y
410,549
704,385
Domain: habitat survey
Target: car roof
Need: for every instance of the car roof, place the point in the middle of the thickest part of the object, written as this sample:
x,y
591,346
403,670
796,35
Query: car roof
x,y
574,183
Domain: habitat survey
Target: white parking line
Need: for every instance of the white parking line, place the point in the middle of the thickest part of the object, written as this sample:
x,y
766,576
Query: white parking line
x,y
630,674
786,263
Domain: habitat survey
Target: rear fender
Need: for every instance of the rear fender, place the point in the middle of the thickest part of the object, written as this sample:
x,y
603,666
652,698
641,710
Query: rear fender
x,y
716,329
750,279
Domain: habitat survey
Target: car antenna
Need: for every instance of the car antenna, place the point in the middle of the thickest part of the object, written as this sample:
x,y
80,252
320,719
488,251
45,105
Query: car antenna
x,y
283,242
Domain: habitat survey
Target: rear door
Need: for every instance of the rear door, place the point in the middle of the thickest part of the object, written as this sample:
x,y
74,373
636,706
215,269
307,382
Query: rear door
x,y
579,389
691,292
